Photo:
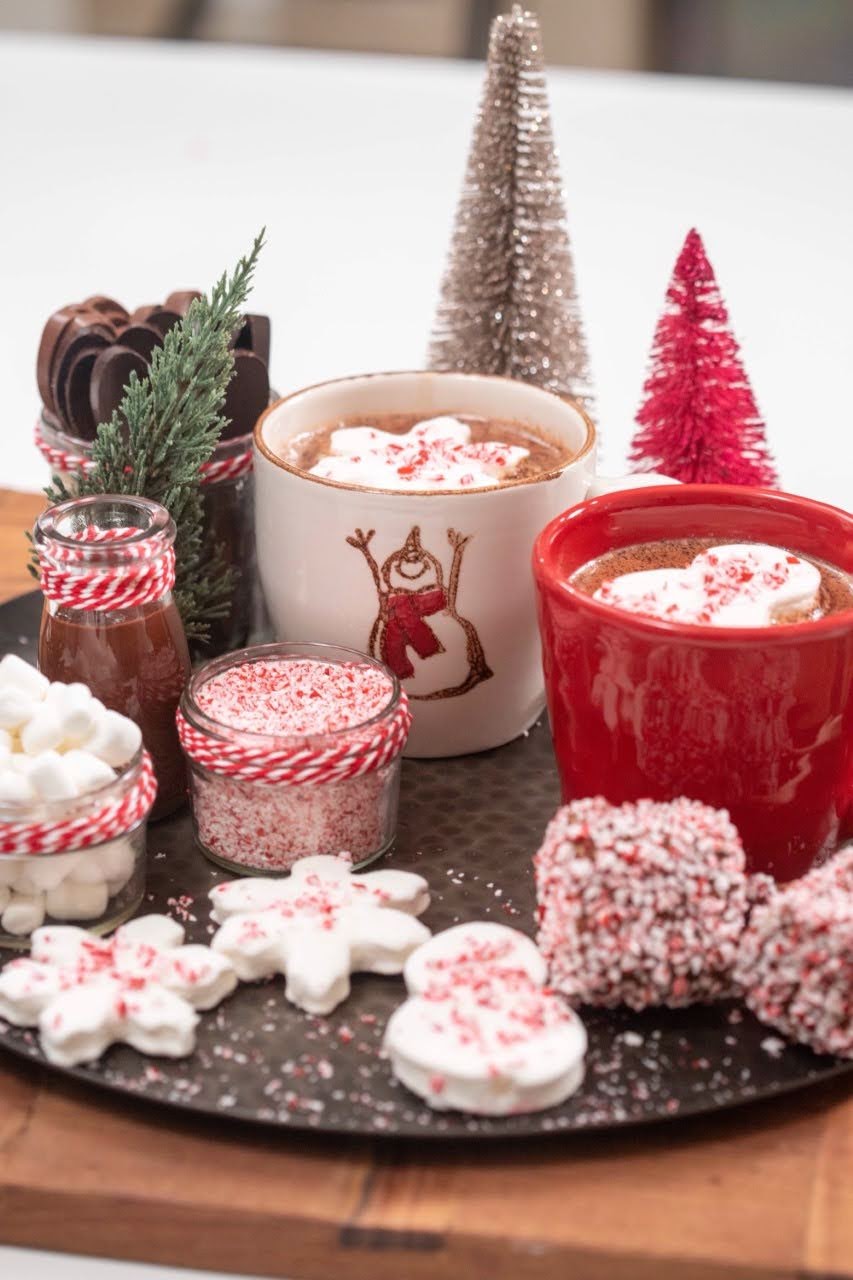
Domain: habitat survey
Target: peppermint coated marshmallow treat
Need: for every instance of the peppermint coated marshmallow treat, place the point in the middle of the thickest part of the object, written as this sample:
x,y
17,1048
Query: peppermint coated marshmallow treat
x,y
318,926
641,904
140,987
795,961
479,1032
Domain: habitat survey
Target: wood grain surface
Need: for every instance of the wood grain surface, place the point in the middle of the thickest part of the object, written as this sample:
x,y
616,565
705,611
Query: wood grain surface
x,y
763,1193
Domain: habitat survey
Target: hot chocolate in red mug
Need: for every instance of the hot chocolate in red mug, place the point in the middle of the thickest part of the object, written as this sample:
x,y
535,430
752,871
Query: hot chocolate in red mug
x,y
698,641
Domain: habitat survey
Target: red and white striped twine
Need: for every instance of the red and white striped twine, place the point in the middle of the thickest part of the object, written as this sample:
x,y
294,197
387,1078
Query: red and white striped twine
x,y
212,472
147,574
300,766
218,469
61,459
112,819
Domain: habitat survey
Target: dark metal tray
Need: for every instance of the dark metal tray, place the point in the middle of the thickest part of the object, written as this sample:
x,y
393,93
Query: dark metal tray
x,y
470,826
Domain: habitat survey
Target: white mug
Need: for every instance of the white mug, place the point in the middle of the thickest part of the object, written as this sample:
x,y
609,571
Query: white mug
x,y
438,584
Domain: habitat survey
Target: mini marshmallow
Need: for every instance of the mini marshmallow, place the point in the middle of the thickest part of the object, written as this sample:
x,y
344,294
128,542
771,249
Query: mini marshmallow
x,y
86,868
45,731
87,771
15,788
117,860
24,913
63,695
20,675
115,740
5,897
70,901
16,707
51,779
6,741
78,711
36,874
22,764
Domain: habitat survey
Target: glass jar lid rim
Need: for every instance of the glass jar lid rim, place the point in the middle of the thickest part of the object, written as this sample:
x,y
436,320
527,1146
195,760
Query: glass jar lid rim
x,y
283,651
159,524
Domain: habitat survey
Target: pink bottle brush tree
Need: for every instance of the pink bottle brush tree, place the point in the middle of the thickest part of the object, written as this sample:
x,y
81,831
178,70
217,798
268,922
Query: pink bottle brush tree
x,y
699,421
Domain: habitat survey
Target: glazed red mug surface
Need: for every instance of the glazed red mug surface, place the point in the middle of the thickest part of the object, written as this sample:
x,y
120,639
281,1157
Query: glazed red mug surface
x,y
756,720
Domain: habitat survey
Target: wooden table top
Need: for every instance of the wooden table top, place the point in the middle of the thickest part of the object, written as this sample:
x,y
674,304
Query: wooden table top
x,y
762,1192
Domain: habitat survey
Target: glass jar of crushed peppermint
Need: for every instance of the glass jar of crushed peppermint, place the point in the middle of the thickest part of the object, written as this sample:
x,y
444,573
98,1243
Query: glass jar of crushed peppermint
x,y
293,750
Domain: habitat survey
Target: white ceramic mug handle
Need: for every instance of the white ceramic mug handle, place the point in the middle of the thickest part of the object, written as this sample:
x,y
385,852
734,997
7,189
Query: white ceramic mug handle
x,y
639,480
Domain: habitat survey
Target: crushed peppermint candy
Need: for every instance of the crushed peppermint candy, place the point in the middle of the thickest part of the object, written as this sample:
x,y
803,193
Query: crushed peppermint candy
x,y
641,904
795,963
435,454
338,708
298,697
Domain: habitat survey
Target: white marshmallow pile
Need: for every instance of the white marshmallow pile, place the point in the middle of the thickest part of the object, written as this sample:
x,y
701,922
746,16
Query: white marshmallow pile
x,y
57,742
435,454
745,584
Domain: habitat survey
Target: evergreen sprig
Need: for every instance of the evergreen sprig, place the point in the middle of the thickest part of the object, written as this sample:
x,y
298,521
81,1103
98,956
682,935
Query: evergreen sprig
x,y
164,430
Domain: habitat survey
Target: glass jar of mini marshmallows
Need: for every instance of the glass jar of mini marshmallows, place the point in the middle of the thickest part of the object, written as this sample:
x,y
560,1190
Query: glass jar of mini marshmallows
x,y
79,859
293,749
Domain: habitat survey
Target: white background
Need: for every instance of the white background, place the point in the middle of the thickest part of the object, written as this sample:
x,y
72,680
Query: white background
x,y
133,169
137,169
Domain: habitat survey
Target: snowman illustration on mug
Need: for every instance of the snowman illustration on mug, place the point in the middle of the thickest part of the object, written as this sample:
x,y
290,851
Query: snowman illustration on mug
x,y
418,631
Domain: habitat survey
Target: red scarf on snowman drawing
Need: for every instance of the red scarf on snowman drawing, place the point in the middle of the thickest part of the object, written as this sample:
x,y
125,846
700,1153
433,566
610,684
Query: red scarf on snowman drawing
x,y
405,627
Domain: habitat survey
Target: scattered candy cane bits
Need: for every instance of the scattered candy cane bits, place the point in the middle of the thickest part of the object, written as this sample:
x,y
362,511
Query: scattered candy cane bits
x,y
271,827
641,904
795,963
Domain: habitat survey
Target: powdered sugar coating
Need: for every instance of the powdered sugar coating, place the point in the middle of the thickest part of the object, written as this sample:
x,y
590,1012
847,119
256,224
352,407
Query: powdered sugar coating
x,y
295,697
732,585
795,962
141,987
640,904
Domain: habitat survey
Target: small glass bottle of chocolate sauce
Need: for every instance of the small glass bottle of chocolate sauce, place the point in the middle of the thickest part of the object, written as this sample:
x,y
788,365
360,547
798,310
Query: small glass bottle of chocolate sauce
x,y
107,568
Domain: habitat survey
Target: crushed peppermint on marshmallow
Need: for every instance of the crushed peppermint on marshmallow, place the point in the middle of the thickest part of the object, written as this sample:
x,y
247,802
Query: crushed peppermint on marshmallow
x,y
735,585
641,904
795,961
479,1031
140,987
435,454
320,925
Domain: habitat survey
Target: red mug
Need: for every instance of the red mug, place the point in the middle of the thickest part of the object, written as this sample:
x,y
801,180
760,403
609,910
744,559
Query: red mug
x,y
756,720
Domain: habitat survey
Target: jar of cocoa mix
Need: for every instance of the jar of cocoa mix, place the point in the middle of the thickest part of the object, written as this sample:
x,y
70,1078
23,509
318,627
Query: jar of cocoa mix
x,y
293,750
107,569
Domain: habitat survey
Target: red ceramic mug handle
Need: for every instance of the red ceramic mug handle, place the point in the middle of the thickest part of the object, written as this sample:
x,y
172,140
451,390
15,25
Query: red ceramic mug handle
x,y
639,480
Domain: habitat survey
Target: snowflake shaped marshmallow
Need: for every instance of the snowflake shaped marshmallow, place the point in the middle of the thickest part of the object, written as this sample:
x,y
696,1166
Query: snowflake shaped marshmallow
x,y
319,926
140,987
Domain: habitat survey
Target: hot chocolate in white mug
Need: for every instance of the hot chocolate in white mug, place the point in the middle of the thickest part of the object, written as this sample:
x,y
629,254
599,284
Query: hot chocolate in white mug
x,y
435,581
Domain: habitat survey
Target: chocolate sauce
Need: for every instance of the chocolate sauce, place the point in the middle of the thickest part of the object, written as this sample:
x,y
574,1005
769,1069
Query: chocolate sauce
x,y
136,663
543,453
835,594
